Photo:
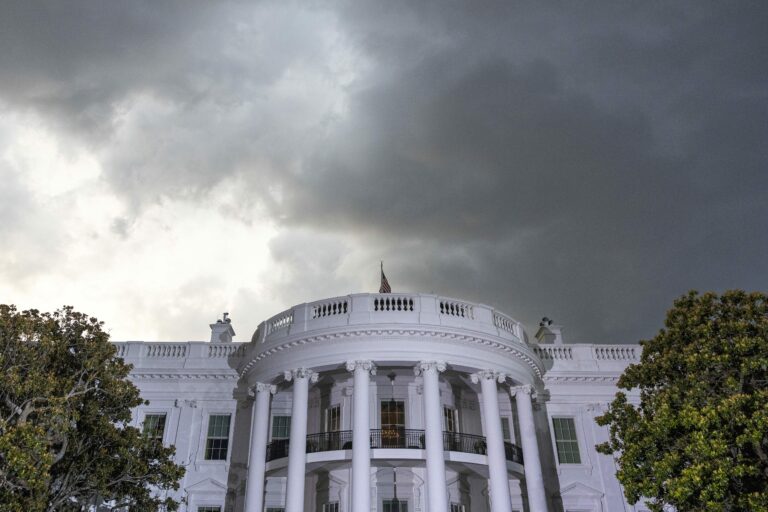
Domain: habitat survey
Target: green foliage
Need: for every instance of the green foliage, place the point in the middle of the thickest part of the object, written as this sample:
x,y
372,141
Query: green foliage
x,y
699,438
65,402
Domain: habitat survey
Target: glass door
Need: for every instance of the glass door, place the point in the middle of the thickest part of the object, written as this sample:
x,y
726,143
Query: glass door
x,y
393,424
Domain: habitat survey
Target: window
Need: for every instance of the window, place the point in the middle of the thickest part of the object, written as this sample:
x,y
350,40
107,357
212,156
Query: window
x,y
566,441
505,428
154,426
333,419
331,507
208,509
275,509
449,419
392,414
393,424
394,506
281,427
457,507
217,444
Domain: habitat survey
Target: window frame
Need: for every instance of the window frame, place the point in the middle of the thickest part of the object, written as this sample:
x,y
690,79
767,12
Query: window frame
x,y
205,436
148,414
287,426
576,441
454,419
506,433
331,506
392,425
386,501
329,412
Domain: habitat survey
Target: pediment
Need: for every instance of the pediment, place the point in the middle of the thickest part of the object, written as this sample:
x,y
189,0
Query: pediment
x,y
581,490
207,485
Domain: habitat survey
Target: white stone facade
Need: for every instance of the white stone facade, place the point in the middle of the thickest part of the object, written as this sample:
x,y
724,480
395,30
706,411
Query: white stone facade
x,y
334,401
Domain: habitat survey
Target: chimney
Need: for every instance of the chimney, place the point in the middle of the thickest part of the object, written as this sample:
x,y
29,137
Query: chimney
x,y
222,331
549,333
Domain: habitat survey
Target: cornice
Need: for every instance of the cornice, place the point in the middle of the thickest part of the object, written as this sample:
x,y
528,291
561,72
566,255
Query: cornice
x,y
359,333
182,375
570,379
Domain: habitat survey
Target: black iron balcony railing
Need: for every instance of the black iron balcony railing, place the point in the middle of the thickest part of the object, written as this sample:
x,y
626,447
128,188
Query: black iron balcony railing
x,y
392,438
466,443
329,441
277,449
396,437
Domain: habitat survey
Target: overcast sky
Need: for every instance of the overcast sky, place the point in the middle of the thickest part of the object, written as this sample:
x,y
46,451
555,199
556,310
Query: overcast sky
x,y
162,162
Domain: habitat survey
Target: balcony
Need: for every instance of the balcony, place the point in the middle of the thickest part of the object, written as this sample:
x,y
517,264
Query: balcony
x,y
392,438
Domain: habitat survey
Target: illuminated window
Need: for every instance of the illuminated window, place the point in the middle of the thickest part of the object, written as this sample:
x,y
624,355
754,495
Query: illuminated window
x,y
392,414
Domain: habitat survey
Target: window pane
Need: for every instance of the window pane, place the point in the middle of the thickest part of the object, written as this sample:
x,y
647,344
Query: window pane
x,y
449,419
217,444
389,506
154,426
281,427
208,509
505,428
566,441
333,419
392,414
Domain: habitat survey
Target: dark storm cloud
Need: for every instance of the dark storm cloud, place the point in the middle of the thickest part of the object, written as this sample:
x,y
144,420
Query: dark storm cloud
x,y
586,161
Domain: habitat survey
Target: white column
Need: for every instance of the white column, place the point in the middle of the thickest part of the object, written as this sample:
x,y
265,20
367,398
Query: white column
x,y
254,490
534,480
297,446
437,490
494,438
361,435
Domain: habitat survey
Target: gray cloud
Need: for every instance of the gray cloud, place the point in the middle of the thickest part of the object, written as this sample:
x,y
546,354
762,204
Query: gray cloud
x,y
587,161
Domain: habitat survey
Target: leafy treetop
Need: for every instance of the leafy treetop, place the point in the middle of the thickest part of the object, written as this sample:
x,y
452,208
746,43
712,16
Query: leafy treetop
x,y
65,404
698,440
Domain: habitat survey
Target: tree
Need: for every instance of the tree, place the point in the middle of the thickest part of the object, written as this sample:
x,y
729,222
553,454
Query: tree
x,y
698,440
65,404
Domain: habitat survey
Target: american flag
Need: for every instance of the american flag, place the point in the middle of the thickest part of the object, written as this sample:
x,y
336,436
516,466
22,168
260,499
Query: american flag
x,y
384,288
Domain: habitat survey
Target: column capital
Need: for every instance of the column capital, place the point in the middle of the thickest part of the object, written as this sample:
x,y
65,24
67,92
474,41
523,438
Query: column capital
x,y
423,366
488,375
366,365
525,388
261,387
301,373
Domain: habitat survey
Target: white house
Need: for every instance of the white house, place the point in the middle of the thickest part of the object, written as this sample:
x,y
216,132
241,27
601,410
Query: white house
x,y
384,403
